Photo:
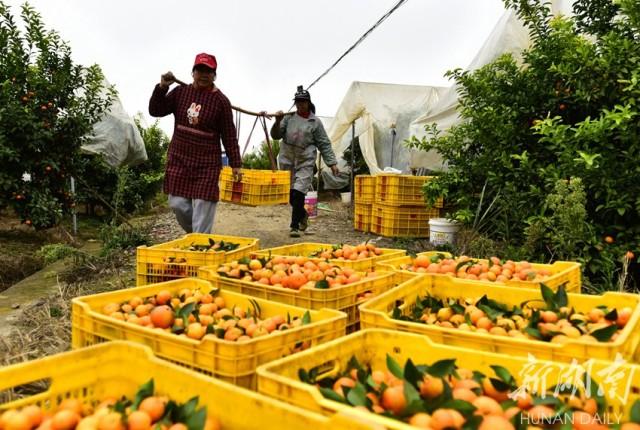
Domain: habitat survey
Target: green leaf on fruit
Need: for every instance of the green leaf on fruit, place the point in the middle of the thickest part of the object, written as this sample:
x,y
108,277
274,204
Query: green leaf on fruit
x,y
503,374
442,368
145,390
394,367
331,395
357,396
604,334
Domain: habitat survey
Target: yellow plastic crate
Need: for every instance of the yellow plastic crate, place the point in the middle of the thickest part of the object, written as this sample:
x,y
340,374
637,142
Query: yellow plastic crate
x,y
402,190
231,361
408,221
376,314
279,379
362,217
364,187
305,249
562,272
152,266
343,298
257,187
114,369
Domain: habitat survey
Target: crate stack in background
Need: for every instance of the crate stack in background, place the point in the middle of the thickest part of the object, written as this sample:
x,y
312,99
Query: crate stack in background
x,y
364,187
392,205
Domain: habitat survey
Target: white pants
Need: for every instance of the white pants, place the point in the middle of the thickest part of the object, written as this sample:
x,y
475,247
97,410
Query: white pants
x,y
193,215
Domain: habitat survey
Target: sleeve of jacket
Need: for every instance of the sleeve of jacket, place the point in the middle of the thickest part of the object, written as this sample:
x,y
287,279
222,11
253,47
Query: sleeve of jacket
x,y
281,131
228,133
161,103
324,144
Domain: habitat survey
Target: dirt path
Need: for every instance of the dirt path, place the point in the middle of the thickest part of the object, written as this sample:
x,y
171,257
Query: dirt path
x,y
271,225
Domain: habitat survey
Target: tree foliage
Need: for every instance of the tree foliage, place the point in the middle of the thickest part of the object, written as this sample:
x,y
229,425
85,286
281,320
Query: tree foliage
x,y
48,104
567,112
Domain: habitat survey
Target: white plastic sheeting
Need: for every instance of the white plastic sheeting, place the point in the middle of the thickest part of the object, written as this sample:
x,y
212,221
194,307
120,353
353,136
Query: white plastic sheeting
x,y
509,36
376,108
117,138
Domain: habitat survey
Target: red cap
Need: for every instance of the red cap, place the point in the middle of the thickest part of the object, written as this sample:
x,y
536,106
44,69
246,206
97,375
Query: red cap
x,y
207,60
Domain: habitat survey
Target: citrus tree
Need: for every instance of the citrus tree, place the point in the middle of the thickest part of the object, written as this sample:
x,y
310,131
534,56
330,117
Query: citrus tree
x,y
48,104
568,112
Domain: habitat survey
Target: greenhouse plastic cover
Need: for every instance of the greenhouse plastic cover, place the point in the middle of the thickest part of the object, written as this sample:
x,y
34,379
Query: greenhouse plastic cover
x,y
379,109
117,138
376,106
508,36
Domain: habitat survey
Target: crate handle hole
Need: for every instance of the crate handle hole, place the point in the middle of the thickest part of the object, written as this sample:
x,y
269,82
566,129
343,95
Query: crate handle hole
x,y
28,389
326,369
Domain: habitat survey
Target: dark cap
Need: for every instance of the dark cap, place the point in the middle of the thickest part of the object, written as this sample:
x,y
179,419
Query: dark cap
x,y
302,94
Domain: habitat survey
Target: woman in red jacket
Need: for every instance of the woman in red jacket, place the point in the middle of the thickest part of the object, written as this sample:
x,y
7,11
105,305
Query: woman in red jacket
x,y
203,118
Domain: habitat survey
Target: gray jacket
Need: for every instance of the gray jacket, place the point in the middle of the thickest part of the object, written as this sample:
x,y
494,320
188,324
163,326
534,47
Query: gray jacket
x,y
301,139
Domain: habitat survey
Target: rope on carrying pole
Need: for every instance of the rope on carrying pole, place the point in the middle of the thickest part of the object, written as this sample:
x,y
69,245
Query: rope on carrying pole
x,y
246,145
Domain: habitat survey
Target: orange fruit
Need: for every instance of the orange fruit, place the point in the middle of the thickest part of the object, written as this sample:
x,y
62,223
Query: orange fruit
x,y
153,406
495,422
74,405
549,316
88,423
34,413
624,315
136,301
162,316
524,402
196,331
110,308
111,421
16,421
163,297
609,239
422,261
464,394
446,419
490,391
65,419
139,420
421,420
343,382
393,399
431,387
178,426
487,406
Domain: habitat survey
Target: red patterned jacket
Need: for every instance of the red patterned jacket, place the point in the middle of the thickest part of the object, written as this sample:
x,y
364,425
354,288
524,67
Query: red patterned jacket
x,y
202,120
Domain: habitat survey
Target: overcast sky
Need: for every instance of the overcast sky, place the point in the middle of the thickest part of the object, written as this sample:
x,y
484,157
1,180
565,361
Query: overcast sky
x,y
266,48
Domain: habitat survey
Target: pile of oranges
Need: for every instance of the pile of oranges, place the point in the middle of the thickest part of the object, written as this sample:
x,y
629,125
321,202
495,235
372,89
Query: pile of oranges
x,y
194,314
556,325
349,252
292,272
494,269
111,414
444,397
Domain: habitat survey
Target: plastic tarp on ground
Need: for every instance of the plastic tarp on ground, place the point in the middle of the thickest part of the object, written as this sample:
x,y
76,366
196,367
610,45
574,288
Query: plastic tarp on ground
x,y
117,138
508,36
376,108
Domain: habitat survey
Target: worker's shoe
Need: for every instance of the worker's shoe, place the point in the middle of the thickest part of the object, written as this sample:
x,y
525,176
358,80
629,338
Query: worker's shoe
x,y
294,233
304,223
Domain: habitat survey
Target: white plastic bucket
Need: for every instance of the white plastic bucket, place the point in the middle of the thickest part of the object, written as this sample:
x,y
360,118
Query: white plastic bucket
x,y
346,198
442,231
311,204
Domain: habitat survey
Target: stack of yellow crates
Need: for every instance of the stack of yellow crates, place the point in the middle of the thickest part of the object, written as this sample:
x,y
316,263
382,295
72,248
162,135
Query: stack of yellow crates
x,y
399,209
364,188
